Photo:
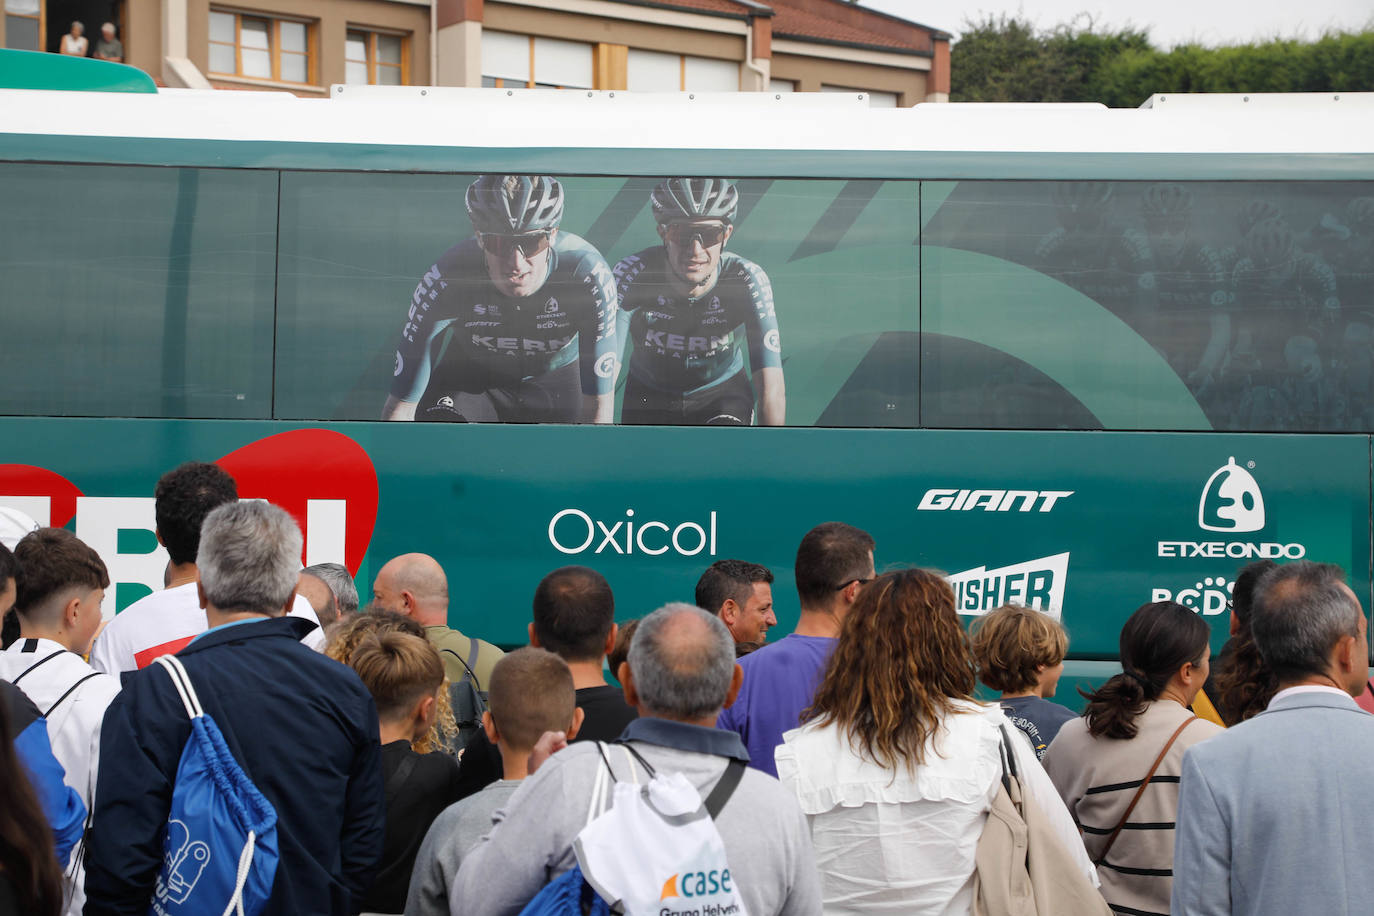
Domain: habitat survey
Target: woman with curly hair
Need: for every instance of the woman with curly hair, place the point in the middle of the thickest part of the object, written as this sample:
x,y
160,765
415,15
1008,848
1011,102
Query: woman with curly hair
x,y
1244,685
347,636
1118,766
897,765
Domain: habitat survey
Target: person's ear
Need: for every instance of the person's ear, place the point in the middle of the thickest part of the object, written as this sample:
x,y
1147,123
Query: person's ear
x,y
662,231
1345,654
627,683
576,726
72,613
200,594
729,613
489,727
427,710
851,591
158,534
534,640
736,682
1234,628
290,603
729,231
611,637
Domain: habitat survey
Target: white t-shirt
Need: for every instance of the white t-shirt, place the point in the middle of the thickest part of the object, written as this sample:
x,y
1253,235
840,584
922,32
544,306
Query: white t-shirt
x,y
73,718
164,623
900,842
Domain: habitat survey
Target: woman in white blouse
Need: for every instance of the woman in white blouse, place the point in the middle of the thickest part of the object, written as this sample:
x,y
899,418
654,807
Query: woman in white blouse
x,y
898,764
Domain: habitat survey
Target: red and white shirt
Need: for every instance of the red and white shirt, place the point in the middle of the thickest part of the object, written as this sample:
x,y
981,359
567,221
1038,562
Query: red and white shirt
x,y
164,623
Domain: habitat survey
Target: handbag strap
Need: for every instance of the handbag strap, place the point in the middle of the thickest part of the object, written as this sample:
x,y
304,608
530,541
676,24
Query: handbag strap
x,y
182,682
1141,791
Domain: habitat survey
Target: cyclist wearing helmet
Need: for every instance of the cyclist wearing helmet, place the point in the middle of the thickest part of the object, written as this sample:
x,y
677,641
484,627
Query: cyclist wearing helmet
x,y
1089,251
682,307
532,311
1191,322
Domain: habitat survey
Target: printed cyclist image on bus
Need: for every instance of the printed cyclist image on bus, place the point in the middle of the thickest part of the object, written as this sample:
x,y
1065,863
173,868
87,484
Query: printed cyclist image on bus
x,y
531,309
682,306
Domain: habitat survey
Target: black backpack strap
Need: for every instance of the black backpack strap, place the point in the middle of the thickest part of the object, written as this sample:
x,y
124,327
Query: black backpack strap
x,y
398,778
70,691
468,675
38,664
471,663
725,787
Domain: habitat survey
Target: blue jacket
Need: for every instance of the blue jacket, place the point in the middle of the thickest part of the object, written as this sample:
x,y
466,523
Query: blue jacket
x,y
303,728
62,804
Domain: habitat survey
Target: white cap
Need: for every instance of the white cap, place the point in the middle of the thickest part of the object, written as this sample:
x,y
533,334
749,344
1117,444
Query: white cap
x,y
14,525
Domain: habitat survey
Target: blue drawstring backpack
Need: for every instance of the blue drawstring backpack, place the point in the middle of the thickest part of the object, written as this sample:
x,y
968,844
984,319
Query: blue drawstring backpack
x,y
220,853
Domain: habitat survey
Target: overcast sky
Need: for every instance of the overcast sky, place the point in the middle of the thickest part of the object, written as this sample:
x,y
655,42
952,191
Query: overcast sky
x,y
1170,22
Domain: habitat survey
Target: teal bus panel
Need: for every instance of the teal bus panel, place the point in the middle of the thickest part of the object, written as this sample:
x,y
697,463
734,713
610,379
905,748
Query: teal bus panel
x,y
137,291
1086,525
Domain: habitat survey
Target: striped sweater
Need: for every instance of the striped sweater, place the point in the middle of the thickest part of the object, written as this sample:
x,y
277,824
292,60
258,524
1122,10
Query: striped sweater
x,y
1098,777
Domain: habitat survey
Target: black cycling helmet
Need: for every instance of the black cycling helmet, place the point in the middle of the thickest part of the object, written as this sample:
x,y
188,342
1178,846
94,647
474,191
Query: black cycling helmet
x,y
515,203
677,199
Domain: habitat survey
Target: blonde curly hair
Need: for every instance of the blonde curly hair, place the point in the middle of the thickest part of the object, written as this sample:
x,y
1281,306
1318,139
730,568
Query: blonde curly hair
x,y
345,638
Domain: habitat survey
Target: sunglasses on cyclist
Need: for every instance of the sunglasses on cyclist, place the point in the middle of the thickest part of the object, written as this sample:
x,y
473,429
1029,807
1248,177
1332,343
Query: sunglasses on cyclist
x,y
528,244
685,234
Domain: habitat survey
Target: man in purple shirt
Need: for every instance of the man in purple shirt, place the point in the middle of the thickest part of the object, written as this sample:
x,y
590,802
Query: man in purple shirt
x,y
833,562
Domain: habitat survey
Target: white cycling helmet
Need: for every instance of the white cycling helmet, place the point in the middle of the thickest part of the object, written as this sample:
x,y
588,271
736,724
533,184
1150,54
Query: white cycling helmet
x,y
678,199
515,203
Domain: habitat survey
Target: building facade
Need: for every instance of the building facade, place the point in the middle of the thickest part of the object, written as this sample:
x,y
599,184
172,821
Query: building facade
x,y
305,46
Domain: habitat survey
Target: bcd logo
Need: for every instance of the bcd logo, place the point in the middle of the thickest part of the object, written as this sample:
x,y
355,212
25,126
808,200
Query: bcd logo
x,y
1208,597
1231,500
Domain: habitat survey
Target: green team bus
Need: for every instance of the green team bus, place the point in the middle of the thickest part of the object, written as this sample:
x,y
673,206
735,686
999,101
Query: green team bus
x,y
1073,357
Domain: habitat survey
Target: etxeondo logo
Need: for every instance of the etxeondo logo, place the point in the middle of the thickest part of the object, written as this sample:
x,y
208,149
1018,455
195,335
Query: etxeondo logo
x,y
1231,501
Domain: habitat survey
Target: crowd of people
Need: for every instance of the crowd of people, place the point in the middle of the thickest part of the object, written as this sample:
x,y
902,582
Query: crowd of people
x,y
390,764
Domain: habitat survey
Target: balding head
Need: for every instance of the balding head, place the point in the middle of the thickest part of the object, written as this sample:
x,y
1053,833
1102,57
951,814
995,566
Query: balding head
x,y
682,665
413,584
321,598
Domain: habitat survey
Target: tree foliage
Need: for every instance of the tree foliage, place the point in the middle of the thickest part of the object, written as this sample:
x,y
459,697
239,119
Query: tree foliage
x,y
1006,59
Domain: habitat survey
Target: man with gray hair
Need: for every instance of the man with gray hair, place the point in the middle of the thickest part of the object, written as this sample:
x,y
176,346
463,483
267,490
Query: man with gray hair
x,y
680,673
1274,813
330,590
303,728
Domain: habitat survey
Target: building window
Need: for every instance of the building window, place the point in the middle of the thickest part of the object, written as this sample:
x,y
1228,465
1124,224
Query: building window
x,y
376,58
23,24
655,71
259,47
776,85
531,62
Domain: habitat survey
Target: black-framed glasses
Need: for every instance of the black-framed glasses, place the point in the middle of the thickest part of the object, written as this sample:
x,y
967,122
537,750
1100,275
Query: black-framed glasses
x,y
528,244
840,588
685,234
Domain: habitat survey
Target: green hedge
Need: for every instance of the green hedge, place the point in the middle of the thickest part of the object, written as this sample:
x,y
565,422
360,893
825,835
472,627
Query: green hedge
x,y
1001,59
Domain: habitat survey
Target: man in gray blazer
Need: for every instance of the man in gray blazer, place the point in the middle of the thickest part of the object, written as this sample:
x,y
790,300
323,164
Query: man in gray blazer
x,y
1275,815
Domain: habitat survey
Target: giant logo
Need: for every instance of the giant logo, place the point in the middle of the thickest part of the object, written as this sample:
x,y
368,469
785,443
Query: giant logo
x,y
323,479
1231,501
1036,584
944,499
